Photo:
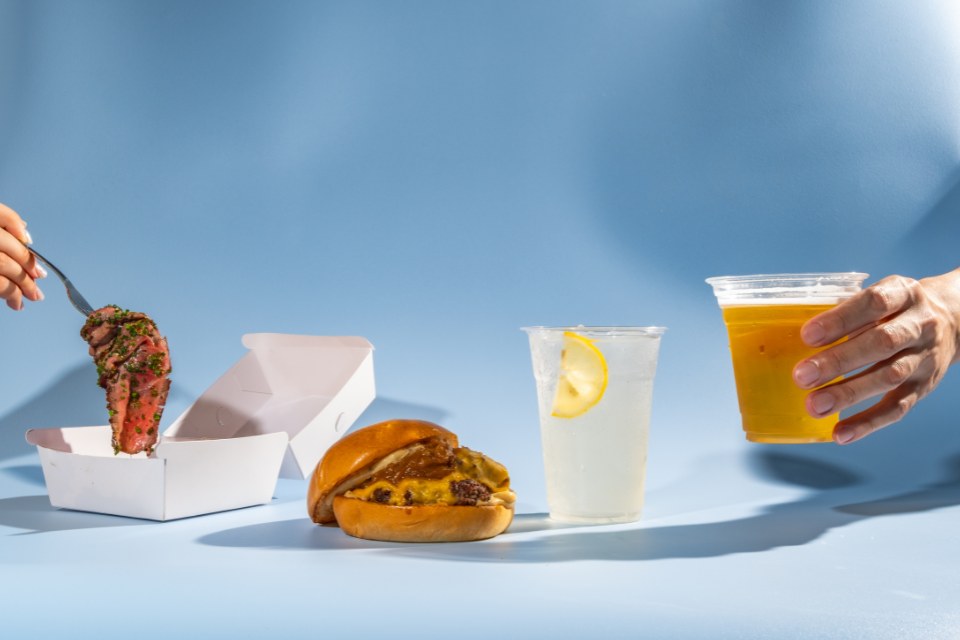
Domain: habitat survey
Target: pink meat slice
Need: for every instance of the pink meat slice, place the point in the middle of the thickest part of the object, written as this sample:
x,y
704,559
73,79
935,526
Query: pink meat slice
x,y
133,364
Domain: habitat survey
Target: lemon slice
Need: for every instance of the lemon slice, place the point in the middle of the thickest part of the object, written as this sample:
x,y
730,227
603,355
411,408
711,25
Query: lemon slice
x,y
583,377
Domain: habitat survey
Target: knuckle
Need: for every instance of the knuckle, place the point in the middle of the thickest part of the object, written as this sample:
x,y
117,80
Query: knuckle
x,y
890,337
914,327
896,407
847,395
879,298
903,407
910,286
16,255
930,326
9,290
897,373
23,256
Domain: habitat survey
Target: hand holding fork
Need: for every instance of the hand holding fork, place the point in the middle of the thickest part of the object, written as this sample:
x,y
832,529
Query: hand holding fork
x,y
19,268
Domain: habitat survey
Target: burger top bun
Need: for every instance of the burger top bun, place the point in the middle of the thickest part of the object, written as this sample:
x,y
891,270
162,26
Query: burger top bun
x,y
351,459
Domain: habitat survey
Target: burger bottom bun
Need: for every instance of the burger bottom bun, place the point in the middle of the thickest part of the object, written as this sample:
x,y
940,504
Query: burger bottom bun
x,y
420,523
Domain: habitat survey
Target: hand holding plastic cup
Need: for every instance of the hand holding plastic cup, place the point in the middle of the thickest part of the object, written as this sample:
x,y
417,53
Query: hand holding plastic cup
x,y
595,387
763,315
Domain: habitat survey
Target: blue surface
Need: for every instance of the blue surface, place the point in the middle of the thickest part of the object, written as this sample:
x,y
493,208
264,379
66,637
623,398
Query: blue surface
x,y
432,176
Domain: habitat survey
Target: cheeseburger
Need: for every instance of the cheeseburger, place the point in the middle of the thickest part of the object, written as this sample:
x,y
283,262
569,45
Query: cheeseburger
x,y
410,481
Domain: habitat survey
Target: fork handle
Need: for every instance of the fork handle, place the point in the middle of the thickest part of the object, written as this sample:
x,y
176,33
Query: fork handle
x,y
78,301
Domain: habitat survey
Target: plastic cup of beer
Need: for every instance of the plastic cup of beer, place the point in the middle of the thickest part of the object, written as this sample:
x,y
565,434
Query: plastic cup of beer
x,y
594,390
763,315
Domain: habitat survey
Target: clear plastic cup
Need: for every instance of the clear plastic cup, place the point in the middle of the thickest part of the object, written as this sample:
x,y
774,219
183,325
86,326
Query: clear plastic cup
x,y
594,447
763,315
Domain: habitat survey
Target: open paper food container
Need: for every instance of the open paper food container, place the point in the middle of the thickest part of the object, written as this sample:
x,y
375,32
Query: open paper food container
x,y
275,412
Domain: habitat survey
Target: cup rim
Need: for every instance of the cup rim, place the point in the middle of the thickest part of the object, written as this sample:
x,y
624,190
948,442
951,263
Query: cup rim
x,y
813,276
787,288
609,330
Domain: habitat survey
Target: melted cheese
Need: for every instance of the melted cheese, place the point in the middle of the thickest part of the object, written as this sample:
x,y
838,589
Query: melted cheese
x,y
471,465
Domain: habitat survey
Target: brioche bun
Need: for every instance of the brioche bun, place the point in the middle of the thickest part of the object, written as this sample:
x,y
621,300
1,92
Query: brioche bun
x,y
352,461
352,458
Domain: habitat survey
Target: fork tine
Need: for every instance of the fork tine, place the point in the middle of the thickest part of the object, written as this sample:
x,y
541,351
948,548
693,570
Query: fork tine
x,y
78,300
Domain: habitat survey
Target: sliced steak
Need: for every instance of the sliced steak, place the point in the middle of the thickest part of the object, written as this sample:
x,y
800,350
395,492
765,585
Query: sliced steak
x,y
133,365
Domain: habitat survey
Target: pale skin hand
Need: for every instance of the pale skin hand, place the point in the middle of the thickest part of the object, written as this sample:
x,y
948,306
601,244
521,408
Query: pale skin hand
x,y
905,332
18,267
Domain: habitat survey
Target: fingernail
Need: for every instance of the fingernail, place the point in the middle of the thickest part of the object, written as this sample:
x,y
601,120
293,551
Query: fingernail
x,y
843,435
813,334
806,373
41,272
39,295
822,402
27,236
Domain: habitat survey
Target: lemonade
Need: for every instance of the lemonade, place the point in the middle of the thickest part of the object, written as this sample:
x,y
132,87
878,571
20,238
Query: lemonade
x,y
595,387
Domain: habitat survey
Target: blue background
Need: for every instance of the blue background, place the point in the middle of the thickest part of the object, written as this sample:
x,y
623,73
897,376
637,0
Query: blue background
x,y
434,175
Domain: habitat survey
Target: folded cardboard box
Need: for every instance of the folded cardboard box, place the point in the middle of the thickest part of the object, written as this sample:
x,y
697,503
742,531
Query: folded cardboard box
x,y
274,412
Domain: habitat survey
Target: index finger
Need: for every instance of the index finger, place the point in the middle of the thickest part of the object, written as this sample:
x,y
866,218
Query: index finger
x,y
862,310
13,224
16,250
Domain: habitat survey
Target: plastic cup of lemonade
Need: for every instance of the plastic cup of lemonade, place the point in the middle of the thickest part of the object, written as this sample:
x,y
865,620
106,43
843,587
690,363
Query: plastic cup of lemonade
x,y
595,388
763,315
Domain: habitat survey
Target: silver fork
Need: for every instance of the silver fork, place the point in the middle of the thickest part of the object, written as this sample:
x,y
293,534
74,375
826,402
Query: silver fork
x,y
78,301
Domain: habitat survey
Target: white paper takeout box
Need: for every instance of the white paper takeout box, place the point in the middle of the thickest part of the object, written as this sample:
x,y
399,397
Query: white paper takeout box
x,y
275,412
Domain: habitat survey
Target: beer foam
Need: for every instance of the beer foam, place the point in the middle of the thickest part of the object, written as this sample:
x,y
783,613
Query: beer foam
x,y
756,302
784,295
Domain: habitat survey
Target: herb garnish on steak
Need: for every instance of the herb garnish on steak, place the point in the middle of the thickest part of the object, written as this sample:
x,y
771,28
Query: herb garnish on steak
x,y
133,365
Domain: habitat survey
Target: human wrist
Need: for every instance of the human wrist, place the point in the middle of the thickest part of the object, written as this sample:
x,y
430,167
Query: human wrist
x,y
945,290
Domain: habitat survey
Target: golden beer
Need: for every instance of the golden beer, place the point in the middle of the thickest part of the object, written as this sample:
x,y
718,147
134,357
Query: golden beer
x,y
765,345
764,314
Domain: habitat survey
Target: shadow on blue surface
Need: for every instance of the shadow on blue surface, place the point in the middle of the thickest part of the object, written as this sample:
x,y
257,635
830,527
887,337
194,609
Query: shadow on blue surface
x,y
301,533
29,473
802,472
781,525
931,245
388,409
935,495
884,484
34,514
59,405
73,399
